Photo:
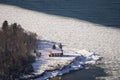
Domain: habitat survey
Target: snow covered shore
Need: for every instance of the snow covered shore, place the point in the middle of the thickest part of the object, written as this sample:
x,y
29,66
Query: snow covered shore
x,y
72,32
71,60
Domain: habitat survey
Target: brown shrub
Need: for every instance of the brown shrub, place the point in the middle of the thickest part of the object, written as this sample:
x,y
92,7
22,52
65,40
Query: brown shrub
x,y
15,50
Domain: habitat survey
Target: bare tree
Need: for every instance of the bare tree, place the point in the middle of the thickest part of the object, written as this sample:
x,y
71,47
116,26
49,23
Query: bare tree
x,y
60,46
15,55
5,25
53,47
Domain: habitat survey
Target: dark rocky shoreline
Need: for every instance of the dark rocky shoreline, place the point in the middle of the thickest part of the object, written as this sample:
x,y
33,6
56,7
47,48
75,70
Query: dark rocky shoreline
x,y
90,72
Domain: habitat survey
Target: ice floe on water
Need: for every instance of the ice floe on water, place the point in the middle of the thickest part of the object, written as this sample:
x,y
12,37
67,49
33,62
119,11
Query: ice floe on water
x,y
72,59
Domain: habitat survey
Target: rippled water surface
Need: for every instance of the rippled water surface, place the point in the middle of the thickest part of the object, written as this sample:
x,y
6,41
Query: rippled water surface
x,y
82,24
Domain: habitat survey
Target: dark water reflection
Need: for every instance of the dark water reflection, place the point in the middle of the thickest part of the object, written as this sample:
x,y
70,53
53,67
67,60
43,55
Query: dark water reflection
x,y
86,74
103,12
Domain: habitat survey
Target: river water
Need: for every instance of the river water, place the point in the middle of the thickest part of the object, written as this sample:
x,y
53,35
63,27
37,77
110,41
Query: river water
x,y
89,73
82,24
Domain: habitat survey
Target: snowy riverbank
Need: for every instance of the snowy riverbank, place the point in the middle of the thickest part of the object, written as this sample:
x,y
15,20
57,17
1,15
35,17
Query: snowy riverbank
x,y
75,33
72,59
